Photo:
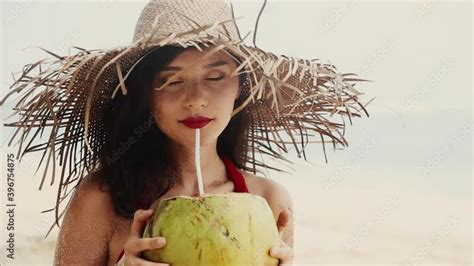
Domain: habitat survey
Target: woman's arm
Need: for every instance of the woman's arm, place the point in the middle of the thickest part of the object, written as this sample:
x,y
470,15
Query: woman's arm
x,y
280,200
86,228
281,203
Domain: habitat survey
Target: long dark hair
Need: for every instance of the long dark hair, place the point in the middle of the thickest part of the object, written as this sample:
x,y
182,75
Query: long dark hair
x,y
134,160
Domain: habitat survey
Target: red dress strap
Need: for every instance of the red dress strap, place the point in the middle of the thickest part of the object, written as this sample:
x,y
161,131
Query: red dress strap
x,y
237,177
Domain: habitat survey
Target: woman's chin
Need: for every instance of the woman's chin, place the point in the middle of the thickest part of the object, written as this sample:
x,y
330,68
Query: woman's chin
x,y
204,141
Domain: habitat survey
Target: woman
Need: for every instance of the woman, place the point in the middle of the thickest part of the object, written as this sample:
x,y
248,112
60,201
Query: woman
x,y
193,84
127,116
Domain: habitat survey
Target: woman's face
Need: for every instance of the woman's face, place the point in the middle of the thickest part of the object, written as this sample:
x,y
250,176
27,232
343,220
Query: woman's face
x,y
195,84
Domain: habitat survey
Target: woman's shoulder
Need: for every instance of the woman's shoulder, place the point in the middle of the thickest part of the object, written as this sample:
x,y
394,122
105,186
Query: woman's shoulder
x,y
89,212
91,193
91,186
277,195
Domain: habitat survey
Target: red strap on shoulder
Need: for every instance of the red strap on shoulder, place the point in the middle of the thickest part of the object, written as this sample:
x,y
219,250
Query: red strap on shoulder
x,y
120,256
237,177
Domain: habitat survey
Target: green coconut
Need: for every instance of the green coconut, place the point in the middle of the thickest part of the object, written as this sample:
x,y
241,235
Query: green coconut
x,y
217,229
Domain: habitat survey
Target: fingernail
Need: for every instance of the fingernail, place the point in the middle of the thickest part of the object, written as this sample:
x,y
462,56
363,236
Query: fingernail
x,y
160,241
274,251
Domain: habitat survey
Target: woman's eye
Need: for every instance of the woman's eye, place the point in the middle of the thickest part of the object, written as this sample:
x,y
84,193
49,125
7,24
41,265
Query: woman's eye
x,y
174,83
216,78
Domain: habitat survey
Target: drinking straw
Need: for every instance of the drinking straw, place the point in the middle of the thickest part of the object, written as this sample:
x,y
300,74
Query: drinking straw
x,y
197,161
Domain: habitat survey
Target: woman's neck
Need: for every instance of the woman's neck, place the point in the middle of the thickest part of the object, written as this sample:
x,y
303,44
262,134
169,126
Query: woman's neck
x,y
212,168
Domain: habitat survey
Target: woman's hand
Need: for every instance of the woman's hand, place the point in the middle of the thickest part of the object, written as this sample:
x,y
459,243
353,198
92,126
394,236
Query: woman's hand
x,y
135,244
283,251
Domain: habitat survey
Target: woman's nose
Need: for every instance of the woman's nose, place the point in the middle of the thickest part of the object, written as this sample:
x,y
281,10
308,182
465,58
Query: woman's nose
x,y
196,97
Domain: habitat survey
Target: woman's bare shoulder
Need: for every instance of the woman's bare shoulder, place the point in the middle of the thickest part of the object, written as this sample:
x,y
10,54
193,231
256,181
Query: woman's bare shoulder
x,y
277,196
90,198
90,192
90,184
87,220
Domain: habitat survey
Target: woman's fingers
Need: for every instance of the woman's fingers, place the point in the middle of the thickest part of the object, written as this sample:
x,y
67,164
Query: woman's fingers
x,y
284,253
139,220
137,245
283,220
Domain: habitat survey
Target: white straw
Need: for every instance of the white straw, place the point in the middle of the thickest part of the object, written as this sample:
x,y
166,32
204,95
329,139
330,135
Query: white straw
x,y
198,162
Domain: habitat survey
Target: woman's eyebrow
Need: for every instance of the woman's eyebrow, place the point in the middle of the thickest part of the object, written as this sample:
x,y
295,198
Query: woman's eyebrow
x,y
211,65
216,64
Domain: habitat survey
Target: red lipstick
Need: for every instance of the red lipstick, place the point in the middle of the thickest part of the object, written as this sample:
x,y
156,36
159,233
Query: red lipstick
x,y
196,122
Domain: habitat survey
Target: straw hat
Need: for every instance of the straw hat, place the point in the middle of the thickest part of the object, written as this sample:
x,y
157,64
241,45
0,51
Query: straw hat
x,y
291,102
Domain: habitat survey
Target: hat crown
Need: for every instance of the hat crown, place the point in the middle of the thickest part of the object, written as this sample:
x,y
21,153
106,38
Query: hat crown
x,y
176,16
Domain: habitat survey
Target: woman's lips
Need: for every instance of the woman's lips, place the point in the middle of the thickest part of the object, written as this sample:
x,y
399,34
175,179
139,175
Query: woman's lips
x,y
196,122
